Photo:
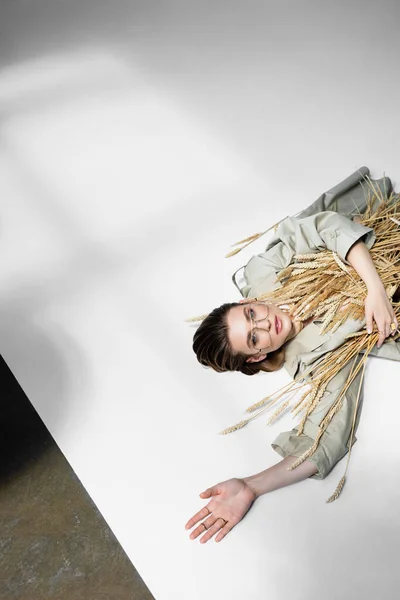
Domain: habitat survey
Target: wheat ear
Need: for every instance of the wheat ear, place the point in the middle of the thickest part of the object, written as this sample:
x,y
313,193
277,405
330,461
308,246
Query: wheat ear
x,y
342,481
338,490
194,319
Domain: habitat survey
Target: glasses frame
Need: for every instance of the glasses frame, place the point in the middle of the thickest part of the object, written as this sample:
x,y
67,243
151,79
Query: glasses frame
x,y
254,321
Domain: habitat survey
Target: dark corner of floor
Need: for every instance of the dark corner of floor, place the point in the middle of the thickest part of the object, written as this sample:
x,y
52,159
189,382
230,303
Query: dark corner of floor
x,y
54,543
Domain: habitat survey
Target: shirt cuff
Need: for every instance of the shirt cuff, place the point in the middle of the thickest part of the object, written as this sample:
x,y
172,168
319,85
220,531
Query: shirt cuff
x,y
346,238
325,457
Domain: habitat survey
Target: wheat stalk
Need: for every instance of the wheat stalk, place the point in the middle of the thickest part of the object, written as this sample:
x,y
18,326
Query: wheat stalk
x,y
194,319
234,427
252,238
338,490
278,412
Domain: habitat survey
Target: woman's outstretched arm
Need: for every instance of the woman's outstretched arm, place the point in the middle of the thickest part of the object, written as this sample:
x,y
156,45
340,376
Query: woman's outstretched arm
x,y
278,476
230,500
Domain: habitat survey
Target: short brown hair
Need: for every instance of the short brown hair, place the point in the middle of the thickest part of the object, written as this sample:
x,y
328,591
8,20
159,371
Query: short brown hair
x,y
213,349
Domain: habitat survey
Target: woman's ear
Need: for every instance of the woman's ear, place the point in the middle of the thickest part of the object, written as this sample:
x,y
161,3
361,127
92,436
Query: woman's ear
x,y
256,358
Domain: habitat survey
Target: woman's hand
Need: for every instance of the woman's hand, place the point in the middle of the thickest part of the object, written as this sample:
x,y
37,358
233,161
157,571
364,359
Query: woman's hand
x,y
377,305
230,501
379,309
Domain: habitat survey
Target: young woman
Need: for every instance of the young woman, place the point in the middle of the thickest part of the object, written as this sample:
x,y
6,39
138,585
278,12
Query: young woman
x,y
252,336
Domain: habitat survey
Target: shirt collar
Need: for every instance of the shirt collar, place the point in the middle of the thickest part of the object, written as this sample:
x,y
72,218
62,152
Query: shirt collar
x,y
308,345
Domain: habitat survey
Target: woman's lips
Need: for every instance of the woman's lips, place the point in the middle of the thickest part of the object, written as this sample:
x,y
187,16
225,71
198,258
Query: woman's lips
x,y
277,325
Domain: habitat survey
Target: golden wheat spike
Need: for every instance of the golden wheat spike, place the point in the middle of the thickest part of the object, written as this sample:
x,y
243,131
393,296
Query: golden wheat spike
x,y
318,255
357,301
338,490
194,319
259,404
340,262
310,403
234,427
356,334
308,265
285,272
304,456
233,252
251,238
300,402
341,483
278,412
328,318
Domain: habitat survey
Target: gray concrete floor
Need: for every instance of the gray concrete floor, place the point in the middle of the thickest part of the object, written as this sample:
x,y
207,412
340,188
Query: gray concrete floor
x,y
54,543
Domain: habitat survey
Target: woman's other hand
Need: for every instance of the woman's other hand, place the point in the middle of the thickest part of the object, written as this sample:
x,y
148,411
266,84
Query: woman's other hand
x,y
379,308
230,501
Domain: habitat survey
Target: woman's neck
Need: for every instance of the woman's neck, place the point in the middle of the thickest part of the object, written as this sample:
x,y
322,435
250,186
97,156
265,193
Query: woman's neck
x,y
308,321
299,326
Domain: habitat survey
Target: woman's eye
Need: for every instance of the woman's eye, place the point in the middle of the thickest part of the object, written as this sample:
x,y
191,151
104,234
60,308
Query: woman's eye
x,y
254,339
251,312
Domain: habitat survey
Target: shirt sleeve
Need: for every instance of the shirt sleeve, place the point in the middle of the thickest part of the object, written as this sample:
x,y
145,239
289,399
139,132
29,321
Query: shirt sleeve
x,y
334,443
326,230
350,197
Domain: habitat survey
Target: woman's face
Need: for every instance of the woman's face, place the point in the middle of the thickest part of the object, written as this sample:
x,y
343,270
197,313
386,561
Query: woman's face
x,y
246,335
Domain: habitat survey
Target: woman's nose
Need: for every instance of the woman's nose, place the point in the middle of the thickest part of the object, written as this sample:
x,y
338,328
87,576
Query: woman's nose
x,y
266,324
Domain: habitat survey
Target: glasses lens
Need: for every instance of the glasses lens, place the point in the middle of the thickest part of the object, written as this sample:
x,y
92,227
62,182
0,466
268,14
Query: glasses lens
x,y
260,311
261,335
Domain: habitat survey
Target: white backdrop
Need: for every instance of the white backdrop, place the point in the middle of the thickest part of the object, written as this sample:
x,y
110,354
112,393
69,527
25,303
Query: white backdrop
x,y
138,141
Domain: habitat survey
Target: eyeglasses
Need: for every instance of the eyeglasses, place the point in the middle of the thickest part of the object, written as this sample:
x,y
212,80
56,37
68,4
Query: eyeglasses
x,y
258,311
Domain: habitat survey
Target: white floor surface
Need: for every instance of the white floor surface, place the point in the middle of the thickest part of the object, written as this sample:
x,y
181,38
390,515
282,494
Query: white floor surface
x,y
138,141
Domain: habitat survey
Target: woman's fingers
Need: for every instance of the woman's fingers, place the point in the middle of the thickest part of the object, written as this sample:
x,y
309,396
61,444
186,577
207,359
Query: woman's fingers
x,y
384,326
384,331
392,330
198,531
212,530
382,336
212,491
204,512
226,529
368,322
213,526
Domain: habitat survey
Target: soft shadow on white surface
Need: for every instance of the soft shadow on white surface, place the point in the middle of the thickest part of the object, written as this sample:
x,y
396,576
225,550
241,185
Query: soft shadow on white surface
x,y
136,145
